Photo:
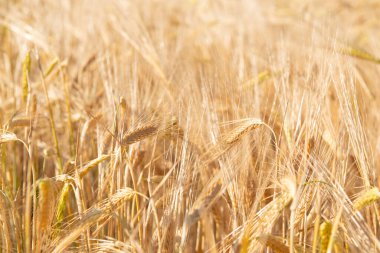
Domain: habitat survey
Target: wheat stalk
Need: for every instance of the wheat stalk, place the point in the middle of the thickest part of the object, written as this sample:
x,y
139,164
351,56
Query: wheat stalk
x,y
25,77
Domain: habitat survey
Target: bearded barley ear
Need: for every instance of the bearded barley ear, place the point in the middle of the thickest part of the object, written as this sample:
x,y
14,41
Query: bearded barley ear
x,y
139,134
236,134
46,202
113,245
325,235
360,54
45,210
62,202
106,143
92,164
51,67
20,122
88,126
244,246
7,137
274,242
230,139
123,103
366,198
94,214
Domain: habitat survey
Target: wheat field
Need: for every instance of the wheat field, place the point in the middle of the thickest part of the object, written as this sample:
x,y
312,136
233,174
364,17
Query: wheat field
x,y
189,126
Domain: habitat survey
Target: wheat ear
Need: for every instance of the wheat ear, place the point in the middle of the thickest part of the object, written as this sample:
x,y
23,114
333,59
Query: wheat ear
x,y
366,198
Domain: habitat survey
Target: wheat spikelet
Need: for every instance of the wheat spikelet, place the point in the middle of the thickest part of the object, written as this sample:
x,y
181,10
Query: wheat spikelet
x,y
325,235
305,203
123,194
176,132
62,203
272,210
366,198
93,163
7,137
139,134
244,245
51,67
283,199
20,122
88,125
123,104
123,111
274,242
148,130
229,140
46,202
105,145
236,134
112,245
45,210
360,54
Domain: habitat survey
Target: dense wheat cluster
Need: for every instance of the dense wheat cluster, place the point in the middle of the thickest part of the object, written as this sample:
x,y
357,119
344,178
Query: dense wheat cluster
x,y
189,126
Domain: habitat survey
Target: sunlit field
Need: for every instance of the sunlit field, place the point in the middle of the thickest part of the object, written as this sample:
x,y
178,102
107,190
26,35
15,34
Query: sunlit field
x,y
189,126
